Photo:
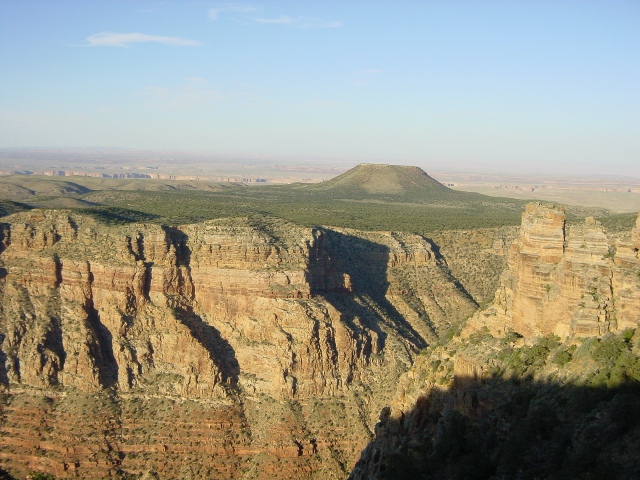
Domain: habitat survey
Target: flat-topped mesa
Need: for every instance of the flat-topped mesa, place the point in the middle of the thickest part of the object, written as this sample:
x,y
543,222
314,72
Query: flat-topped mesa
x,y
567,280
368,180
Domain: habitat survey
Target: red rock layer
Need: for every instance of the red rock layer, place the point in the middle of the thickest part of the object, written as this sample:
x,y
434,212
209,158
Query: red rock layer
x,y
210,350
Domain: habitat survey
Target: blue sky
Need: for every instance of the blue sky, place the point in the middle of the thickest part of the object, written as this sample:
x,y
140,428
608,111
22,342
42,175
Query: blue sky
x,y
514,85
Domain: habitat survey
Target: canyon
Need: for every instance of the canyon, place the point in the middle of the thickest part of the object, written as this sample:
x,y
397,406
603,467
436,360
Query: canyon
x,y
243,348
256,348
541,383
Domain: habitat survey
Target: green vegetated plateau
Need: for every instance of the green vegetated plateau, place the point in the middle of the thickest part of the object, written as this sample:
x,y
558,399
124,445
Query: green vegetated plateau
x,y
368,197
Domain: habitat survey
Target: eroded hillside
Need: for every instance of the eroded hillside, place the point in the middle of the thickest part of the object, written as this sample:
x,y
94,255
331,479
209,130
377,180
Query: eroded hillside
x,y
541,383
233,348
256,348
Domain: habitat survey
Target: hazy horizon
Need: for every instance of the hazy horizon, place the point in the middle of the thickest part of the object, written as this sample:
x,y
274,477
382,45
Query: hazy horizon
x,y
558,171
515,87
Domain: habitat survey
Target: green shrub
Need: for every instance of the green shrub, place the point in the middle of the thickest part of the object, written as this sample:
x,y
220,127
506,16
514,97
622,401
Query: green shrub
x,y
563,355
481,336
616,362
40,476
511,336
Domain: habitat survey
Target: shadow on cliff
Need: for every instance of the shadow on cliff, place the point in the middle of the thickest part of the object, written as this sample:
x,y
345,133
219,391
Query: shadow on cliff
x,y
351,273
116,215
5,239
4,377
435,248
220,350
503,429
101,347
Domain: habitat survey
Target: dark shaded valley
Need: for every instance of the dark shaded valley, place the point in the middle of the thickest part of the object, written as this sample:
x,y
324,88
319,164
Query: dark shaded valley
x,y
496,427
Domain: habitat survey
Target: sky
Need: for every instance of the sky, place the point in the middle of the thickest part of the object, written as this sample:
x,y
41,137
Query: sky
x,y
538,86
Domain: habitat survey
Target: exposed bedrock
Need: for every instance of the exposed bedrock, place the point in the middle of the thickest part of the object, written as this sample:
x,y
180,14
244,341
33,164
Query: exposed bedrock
x,y
521,391
566,279
242,348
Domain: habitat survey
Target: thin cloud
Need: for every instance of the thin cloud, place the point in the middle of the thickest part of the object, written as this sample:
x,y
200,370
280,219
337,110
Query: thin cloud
x,y
363,77
281,20
215,12
294,22
111,39
298,22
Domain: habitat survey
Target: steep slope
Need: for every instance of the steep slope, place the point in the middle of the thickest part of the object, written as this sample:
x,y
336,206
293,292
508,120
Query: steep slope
x,y
542,383
235,348
543,410
567,280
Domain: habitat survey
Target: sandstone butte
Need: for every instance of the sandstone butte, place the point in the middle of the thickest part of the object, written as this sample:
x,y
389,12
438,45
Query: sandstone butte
x,y
259,349
567,280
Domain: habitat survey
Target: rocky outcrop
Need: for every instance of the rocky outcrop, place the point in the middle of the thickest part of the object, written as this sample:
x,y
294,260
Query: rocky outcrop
x,y
565,279
267,347
518,391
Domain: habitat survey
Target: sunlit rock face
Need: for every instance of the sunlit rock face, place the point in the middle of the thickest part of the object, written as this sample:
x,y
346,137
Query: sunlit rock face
x,y
214,349
565,279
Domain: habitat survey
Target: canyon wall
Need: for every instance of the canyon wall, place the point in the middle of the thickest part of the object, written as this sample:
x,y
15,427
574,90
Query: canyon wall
x,y
237,348
553,359
566,279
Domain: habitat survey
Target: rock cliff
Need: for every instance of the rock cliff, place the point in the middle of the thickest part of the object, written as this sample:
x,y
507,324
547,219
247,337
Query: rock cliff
x,y
524,388
243,348
565,279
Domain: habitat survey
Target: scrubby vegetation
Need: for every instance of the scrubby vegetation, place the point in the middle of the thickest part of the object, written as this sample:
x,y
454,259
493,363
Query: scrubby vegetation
x,y
420,209
368,197
116,215
546,410
411,202
621,222
7,207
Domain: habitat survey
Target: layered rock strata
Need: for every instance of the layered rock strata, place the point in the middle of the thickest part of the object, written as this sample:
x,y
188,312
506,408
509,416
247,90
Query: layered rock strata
x,y
553,359
565,279
235,349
